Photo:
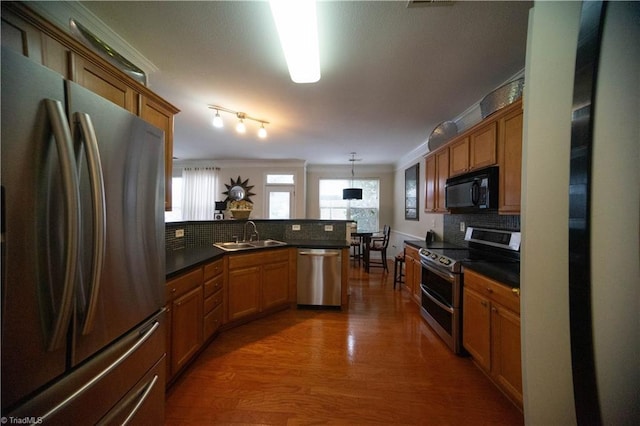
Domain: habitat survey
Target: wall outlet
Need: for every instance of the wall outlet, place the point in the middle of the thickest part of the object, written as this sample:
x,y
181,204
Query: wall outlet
x,y
179,233
328,228
295,227
463,226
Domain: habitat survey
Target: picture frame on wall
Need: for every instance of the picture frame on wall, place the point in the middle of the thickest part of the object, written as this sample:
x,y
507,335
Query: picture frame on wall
x,y
411,192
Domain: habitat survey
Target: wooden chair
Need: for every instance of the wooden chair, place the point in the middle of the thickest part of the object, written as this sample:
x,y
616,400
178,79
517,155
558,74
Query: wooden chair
x,y
356,245
380,244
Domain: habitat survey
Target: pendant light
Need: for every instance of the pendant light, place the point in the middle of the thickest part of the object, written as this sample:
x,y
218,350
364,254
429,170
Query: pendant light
x,y
352,193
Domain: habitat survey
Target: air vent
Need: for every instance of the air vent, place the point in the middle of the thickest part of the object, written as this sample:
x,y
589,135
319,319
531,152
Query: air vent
x,y
425,3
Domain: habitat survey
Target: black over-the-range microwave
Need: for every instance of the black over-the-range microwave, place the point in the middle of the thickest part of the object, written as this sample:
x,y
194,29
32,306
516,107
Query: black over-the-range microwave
x,y
473,192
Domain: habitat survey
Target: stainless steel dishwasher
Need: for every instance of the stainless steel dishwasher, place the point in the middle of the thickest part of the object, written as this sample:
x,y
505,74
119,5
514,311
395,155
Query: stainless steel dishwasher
x,y
319,277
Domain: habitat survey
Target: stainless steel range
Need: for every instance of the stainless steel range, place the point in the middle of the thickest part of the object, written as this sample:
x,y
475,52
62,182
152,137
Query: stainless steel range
x,y
442,276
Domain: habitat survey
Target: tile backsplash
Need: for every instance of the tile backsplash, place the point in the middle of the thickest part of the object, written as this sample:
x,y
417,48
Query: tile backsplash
x,y
206,233
452,222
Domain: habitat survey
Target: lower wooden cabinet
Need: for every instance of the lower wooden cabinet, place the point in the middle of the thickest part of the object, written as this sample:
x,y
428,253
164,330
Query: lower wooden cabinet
x,y
413,272
258,282
491,331
184,307
235,288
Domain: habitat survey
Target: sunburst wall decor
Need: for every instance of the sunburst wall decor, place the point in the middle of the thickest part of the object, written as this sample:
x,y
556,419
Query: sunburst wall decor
x,y
239,183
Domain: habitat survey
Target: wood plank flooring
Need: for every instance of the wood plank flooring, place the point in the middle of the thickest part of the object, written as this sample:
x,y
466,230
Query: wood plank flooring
x,y
377,363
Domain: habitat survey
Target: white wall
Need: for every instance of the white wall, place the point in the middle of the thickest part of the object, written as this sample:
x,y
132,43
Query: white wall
x,y
256,171
412,229
546,359
547,381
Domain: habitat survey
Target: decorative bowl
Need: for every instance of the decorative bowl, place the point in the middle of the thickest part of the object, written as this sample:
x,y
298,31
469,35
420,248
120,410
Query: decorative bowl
x,y
240,214
501,97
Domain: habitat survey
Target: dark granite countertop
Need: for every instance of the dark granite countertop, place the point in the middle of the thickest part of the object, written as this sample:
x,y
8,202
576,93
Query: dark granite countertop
x,y
179,260
507,273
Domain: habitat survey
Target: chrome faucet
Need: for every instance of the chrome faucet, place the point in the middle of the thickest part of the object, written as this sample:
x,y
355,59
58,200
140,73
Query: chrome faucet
x,y
255,231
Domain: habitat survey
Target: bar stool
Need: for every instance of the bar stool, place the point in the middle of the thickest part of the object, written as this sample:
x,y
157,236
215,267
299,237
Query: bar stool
x,y
397,270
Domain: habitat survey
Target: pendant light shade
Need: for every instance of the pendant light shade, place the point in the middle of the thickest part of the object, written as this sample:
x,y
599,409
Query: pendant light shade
x,y
352,194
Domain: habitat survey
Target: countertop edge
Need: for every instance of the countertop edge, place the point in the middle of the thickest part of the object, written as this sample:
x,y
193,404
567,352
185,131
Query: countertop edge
x,y
178,261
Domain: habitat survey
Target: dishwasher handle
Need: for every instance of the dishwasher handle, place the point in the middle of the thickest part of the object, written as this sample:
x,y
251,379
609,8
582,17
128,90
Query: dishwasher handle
x,y
312,253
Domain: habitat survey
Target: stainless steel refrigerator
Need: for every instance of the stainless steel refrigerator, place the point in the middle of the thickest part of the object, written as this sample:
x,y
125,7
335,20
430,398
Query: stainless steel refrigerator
x,y
82,254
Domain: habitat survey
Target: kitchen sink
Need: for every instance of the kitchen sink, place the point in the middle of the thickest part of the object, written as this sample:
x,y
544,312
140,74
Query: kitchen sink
x,y
248,245
266,243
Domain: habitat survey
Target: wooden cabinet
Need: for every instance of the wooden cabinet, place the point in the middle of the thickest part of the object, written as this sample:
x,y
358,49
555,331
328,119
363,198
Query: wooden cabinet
x,y
26,32
459,156
91,76
257,282
413,272
436,174
161,116
475,151
510,159
184,314
491,331
213,308
482,147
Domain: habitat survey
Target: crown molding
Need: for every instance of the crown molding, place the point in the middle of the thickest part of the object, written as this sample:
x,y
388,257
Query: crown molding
x,y
59,13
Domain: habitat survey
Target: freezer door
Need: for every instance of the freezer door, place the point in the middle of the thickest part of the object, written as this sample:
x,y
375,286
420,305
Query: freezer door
x,y
36,244
128,202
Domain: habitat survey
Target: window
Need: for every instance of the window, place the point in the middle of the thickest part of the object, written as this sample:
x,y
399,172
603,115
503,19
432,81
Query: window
x,y
365,212
175,215
280,196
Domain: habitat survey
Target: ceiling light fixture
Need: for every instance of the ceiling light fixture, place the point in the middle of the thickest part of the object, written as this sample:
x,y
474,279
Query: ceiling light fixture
x,y
298,30
352,193
242,116
217,120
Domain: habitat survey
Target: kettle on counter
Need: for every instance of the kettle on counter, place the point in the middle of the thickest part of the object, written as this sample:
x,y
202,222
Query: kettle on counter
x,y
431,236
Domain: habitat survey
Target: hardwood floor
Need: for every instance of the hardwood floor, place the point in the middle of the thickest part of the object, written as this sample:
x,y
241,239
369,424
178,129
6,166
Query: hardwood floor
x,y
377,363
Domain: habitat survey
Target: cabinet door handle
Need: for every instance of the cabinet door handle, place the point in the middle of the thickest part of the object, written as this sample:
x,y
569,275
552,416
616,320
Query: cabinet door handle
x,y
516,291
484,303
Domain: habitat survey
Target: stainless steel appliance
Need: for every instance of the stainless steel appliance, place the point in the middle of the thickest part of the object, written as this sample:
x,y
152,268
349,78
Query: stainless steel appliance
x,y
82,254
319,277
443,278
475,191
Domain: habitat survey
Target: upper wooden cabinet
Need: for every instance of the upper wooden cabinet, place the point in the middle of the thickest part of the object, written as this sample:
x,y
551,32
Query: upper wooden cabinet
x,y
496,140
89,75
475,151
437,173
35,37
510,160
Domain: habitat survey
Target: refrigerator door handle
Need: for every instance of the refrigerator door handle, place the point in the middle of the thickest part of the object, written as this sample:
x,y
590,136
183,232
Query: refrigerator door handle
x,y
140,394
96,177
71,194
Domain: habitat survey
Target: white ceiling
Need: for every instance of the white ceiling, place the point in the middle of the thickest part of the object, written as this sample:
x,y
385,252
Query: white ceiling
x,y
390,73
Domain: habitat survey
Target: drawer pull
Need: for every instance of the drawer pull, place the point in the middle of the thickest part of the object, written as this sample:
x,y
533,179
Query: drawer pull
x,y
516,291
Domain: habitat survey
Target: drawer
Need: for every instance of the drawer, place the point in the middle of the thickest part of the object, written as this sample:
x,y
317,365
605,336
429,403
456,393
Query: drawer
x,y
213,269
212,301
261,257
180,285
213,285
212,322
497,292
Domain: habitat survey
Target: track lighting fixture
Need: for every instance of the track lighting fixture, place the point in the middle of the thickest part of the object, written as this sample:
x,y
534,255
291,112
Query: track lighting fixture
x,y
242,117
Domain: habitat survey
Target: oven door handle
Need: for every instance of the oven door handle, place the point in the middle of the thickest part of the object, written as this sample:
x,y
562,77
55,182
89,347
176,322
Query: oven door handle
x,y
443,275
435,300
